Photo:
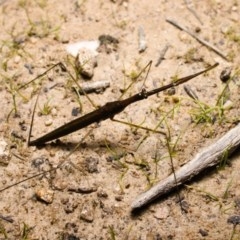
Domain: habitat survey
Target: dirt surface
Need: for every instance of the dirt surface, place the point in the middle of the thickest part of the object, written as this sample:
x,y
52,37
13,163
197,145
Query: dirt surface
x,y
90,195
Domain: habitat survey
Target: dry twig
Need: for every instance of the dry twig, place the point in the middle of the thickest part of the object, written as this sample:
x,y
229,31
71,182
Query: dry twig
x,y
208,157
205,43
95,86
162,55
141,40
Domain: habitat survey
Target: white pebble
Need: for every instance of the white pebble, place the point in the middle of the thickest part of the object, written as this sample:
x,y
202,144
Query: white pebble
x,y
86,62
73,48
54,112
228,105
5,155
162,213
45,195
48,122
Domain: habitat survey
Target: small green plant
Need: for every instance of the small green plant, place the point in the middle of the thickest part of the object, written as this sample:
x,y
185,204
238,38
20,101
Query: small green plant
x,y
233,35
112,232
46,109
205,113
13,46
3,231
26,231
41,28
14,91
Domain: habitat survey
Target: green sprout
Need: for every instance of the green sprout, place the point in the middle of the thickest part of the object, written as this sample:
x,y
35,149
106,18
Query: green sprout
x,y
46,109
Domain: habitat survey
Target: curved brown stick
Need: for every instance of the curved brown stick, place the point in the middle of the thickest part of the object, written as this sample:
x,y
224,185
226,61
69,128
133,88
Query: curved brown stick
x,y
208,157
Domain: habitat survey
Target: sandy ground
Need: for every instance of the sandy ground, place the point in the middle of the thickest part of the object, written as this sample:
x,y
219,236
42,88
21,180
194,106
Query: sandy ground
x,y
90,195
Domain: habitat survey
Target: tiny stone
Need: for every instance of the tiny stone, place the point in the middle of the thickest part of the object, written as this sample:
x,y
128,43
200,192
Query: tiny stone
x,y
119,198
59,184
5,155
237,203
204,233
64,39
87,213
69,236
107,39
235,219
70,206
184,205
48,122
197,29
23,126
228,105
91,164
54,112
175,99
102,194
86,62
226,74
75,111
171,91
37,162
162,213
83,188
117,189
17,59
45,195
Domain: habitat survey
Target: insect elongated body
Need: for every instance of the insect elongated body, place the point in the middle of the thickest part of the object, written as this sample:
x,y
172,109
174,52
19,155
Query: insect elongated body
x,y
109,110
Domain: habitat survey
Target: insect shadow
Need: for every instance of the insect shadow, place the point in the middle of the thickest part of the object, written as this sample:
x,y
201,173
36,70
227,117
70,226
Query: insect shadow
x,y
107,111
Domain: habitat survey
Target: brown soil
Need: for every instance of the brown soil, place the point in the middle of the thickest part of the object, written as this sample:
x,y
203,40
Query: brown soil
x,y
90,195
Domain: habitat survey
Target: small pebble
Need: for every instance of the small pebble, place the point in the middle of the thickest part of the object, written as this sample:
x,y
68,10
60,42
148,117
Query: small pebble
x,y
86,62
54,112
87,213
235,220
5,155
48,122
102,194
226,74
171,91
83,188
69,236
185,206
107,39
228,105
37,162
59,184
75,111
91,164
17,59
22,125
237,203
70,206
162,213
119,198
203,233
45,195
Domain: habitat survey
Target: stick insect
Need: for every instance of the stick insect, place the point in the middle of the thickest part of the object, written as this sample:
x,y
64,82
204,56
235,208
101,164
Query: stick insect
x,y
108,111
